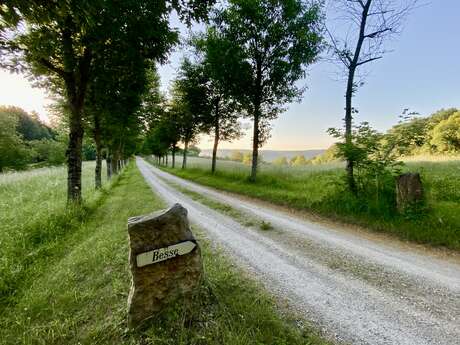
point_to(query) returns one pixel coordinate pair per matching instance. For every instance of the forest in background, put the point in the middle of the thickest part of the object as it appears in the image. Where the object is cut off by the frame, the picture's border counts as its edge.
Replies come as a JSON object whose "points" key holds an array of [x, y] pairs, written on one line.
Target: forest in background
{"points": [[27, 142], [435, 135]]}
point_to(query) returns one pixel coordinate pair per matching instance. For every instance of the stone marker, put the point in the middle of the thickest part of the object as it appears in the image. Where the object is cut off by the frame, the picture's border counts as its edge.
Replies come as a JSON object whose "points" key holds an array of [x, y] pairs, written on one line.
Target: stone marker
{"points": [[165, 262], [409, 190]]}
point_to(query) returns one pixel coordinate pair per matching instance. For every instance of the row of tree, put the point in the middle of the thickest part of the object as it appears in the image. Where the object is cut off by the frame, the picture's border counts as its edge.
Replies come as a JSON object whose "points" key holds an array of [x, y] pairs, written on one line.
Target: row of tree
{"points": [[250, 58], [246, 64], [98, 57]]}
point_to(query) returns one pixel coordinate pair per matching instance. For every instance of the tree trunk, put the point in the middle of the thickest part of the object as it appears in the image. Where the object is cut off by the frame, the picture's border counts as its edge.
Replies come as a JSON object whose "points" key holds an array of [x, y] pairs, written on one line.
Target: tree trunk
{"points": [[97, 141], [348, 129], [184, 157], [354, 63], [76, 81], [174, 156], [167, 154], [74, 156], [255, 147], [257, 114], [216, 139], [108, 162], [114, 163]]}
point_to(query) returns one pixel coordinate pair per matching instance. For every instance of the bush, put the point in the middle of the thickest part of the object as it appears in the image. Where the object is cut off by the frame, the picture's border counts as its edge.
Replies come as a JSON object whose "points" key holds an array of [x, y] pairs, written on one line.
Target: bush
{"points": [[376, 165], [50, 151], [13, 152]]}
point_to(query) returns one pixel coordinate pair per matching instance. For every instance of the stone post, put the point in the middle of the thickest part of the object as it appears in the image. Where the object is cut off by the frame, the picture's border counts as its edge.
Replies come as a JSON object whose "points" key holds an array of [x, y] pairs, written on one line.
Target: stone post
{"points": [[165, 262], [409, 190]]}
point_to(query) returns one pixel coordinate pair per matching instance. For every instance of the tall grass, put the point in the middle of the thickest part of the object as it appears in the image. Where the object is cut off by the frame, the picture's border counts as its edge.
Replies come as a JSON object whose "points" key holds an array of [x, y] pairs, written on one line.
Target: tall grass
{"points": [[35, 221], [321, 189]]}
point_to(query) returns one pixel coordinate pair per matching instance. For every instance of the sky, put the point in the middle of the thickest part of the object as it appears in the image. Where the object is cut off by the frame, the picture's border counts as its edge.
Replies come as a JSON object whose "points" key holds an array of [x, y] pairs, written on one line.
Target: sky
{"points": [[422, 72]]}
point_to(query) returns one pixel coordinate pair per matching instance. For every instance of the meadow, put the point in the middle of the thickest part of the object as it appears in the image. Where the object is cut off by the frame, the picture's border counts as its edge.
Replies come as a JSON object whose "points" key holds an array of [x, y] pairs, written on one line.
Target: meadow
{"points": [[65, 274], [35, 221], [320, 189]]}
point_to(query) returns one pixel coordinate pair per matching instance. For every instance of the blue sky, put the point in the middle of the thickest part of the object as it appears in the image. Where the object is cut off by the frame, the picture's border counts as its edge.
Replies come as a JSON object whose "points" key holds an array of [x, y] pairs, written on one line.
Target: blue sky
{"points": [[421, 73]]}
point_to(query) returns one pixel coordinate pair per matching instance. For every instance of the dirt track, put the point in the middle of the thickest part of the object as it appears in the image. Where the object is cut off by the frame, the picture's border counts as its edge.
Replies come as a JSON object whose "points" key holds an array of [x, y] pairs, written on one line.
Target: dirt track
{"points": [[357, 290]]}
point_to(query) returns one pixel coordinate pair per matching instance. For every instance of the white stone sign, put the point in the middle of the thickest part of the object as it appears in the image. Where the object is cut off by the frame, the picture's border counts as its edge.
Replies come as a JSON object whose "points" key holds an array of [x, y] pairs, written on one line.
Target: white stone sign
{"points": [[163, 254]]}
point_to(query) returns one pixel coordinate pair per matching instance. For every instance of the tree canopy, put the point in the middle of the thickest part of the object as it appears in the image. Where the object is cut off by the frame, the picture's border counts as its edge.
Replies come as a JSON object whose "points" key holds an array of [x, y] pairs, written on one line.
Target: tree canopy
{"points": [[66, 45], [264, 48]]}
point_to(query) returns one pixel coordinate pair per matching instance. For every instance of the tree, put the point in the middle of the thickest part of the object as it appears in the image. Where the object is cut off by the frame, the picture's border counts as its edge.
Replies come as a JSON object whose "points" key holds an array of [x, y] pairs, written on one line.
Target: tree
{"points": [[247, 159], [371, 23], [29, 125], [50, 151], [281, 161], [194, 151], [446, 134], [222, 121], [376, 159], [264, 48], [236, 156], [190, 103], [299, 161], [13, 153], [62, 39]]}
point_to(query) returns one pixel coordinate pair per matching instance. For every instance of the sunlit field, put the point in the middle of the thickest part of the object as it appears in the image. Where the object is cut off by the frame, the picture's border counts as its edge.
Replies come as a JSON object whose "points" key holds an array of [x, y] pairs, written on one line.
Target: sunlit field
{"points": [[34, 220], [320, 189]]}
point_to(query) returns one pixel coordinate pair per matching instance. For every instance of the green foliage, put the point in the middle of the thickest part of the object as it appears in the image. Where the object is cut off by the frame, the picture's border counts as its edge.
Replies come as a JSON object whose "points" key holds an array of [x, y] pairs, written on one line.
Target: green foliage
{"points": [[281, 161], [193, 151], [330, 155], [263, 49], [50, 151], [13, 152], [236, 156], [299, 161], [415, 136], [88, 150], [435, 134], [27, 141], [223, 109], [266, 226], [29, 126], [446, 134], [376, 164], [78, 48], [274, 41], [247, 159], [190, 100]]}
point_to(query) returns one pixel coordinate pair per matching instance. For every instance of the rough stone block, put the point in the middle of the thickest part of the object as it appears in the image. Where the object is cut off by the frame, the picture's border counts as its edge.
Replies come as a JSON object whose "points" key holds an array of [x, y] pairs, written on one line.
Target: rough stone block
{"points": [[165, 262]]}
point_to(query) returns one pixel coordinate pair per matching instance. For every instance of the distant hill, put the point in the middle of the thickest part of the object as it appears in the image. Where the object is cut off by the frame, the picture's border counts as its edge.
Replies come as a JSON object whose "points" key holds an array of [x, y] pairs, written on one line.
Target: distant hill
{"points": [[267, 155]]}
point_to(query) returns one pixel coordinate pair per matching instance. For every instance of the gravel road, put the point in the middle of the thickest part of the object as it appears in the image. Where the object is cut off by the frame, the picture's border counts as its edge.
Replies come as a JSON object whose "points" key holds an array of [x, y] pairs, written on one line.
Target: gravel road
{"points": [[356, 290]]}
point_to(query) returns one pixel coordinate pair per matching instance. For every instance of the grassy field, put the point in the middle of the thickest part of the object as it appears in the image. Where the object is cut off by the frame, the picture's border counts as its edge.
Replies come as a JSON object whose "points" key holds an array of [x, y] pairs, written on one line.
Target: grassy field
{"points": [[74, 288], [320, 189], [34, 222]]}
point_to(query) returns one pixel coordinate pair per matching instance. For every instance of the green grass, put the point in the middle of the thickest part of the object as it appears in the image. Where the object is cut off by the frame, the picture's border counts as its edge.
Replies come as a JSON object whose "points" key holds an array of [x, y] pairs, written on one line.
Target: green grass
{"points": [[321, 190], [79, 294], [35, 222], [226, 209]]}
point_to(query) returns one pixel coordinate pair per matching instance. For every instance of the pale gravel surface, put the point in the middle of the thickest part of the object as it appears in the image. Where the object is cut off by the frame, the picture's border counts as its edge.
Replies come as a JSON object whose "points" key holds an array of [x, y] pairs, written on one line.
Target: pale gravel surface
{"points": [[423, 309]]}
